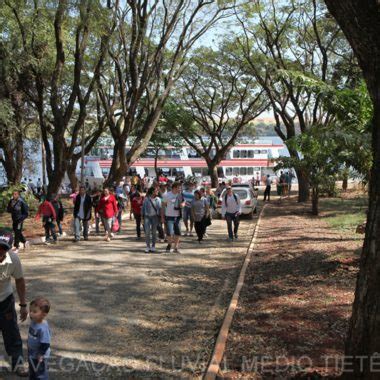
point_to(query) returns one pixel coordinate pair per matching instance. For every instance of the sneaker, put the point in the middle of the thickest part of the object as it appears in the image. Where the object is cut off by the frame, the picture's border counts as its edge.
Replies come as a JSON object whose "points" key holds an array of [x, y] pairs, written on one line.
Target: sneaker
{"points": [[230, 239], [47, 242], [27, 245], [22, 372], [147, 250], [236, 237], [171, 250], [86, 238], [191, 234], [76, 240], [176, 250], [205, 235], [185, 234], [168, 248], [153, 249], [112, 234]]}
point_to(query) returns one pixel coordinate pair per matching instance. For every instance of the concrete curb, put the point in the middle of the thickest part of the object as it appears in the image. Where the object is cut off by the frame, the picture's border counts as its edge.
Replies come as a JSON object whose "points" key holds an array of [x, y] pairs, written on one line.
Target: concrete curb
{"points": [[220, 345]]}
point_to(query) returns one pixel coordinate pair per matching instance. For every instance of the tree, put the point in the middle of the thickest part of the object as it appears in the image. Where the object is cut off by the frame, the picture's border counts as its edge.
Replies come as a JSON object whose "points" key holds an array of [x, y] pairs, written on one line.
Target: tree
{"points": [[148, 55], [279, 37], [13, 120], [64, 46], [328, 151], [164, 135], [360, 22], [222, 99]]}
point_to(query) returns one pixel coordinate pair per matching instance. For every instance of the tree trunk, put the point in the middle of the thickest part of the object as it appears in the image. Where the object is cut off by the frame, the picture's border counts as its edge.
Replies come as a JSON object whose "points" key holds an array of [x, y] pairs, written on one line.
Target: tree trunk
{"points": [[213, 171], [13, 162], [345, 183], [360, 22], [303, 186], [60, 164], [71, 169], [364, 331], [315, 201], [119, 167]]}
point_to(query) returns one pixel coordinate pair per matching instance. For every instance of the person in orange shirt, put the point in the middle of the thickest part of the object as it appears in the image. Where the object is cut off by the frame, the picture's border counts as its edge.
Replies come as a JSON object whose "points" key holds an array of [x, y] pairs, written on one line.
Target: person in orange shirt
{"points": [[47, 211]]}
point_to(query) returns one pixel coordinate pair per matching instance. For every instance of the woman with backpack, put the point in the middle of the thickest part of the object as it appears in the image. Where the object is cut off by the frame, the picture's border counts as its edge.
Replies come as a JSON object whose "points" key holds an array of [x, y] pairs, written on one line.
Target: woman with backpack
{"points": [[231, 210], [200, 211], [47, 211], [151, 211]]}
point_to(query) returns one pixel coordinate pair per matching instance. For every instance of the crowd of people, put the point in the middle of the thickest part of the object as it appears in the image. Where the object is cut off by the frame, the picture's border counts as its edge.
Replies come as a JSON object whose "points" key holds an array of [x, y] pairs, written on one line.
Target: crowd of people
{"points": [[158, 208]]}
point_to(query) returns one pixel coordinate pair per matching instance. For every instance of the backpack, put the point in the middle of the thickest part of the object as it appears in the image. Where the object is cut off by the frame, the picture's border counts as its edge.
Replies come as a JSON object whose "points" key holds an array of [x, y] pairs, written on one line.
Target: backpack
{"points": [[235, 197]]}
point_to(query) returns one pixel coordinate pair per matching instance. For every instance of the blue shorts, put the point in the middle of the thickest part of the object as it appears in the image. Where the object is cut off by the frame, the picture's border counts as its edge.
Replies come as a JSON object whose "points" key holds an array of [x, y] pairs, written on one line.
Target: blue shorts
{"points": [[173, 225], [186, 213]]}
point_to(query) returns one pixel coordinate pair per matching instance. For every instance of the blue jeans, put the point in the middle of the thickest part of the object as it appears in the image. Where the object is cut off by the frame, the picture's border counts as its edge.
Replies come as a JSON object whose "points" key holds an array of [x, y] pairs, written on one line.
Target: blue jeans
{"points": [[232, 218], [150, 224], [10, 330], [38, 371], [173, 225], [77, 226]]}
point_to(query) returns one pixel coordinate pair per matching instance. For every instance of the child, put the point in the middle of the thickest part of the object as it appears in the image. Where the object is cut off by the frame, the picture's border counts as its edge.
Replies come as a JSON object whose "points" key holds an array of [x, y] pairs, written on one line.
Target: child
{"points": [[59, 212], [47, 211], [136, 207], [38, 339]]}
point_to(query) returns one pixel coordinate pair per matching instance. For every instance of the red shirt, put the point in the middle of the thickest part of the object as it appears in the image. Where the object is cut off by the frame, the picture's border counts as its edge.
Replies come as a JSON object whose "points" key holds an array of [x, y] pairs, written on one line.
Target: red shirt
{"points": [[107, 207], [137, 205], [46, 209]]}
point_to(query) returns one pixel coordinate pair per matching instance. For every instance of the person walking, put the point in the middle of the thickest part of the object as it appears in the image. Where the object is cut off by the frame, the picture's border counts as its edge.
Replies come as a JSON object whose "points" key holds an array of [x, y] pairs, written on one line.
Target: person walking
{"points": [[95, 198], [136, 208], [151, 211], [188, 196], [231, 210], [107, 209], [39, 339], [172, 203], [120, 198], [10, 266], [82, 214], [268, 183], [59, 212], [200, 211], [19, 211], [49, 217]]}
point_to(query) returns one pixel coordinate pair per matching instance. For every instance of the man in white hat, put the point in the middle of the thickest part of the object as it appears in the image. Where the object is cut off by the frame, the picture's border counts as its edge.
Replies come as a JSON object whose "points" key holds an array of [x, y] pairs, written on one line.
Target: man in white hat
{"points": [[10, 266]]}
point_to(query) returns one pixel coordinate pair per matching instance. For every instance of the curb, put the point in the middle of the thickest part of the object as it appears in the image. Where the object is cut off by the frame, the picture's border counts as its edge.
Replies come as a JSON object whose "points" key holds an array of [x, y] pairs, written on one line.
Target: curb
{"points": [[220, 345]]}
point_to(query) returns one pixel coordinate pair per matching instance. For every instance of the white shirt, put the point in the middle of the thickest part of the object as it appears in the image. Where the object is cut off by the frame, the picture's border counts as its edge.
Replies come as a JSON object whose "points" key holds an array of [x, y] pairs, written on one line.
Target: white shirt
{"points": [[81, 208], [171, 201], [10, 267], [232, 205]]}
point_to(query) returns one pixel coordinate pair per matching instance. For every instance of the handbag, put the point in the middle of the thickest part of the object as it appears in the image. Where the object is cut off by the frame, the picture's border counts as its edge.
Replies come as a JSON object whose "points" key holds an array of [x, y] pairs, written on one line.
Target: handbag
{"points": [[115, 225]]}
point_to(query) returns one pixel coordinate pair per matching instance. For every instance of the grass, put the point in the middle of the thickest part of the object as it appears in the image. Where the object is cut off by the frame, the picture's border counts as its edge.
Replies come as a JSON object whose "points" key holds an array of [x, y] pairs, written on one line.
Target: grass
{"points": [[344, 214]]}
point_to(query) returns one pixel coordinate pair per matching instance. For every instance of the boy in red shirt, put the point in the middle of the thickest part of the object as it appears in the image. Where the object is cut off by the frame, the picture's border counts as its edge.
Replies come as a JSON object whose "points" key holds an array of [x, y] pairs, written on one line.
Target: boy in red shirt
{"points": [[136, 207], [47, 211]]}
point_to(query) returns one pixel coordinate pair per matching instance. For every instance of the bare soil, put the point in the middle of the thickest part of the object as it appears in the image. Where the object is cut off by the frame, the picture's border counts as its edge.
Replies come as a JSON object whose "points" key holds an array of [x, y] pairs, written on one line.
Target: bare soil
{"points": [[296, 302]]}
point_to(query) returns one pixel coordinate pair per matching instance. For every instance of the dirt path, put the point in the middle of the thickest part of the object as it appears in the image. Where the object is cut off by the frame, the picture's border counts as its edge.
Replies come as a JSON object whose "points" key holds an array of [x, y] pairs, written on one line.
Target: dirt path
{"points": [[294, 307], [120, 313]]}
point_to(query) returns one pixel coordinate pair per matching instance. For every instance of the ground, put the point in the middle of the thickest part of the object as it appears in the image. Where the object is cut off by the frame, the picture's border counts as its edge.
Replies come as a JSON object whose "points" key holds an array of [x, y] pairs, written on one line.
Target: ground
{"points": [[120, 313], [296, 301]]}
